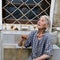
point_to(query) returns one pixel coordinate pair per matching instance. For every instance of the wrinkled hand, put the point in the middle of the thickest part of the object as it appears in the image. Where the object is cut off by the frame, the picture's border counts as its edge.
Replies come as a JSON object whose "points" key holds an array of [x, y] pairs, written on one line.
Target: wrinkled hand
{"points": [[24, 37]]}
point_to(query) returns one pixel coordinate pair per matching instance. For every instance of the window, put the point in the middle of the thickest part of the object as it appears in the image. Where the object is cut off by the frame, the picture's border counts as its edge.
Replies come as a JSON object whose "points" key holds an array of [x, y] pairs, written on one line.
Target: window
{"points": [[24, 11]]}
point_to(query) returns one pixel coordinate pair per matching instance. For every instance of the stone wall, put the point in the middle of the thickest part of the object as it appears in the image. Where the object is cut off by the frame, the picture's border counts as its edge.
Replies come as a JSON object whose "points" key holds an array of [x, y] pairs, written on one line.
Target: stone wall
{"points": [[57, 13], [16, 54]]}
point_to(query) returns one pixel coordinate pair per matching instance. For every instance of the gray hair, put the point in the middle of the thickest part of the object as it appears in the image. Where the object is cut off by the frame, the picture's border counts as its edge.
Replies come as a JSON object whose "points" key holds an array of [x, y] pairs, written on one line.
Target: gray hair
{"points": [[47, 18]]}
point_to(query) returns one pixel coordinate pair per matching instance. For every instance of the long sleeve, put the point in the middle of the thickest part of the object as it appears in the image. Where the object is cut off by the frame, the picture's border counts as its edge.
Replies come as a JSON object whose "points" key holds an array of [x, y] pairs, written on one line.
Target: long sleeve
{"points": [[29, 41]]}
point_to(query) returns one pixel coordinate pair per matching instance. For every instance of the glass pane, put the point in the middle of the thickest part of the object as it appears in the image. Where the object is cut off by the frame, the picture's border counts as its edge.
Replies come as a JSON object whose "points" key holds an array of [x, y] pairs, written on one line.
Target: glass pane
{"points": [[16, 1], [24, 0], [17, 14], [44, 4], [10, 8], [24, 18], [30, 15], [37, 10], [10, 17], [24, 9], [37, 1], [47, 11], [30, 2]]}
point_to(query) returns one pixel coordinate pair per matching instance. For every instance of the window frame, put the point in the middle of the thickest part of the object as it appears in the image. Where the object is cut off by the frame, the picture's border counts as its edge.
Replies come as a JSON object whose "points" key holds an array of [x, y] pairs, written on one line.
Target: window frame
{"points": [[51, 13]]}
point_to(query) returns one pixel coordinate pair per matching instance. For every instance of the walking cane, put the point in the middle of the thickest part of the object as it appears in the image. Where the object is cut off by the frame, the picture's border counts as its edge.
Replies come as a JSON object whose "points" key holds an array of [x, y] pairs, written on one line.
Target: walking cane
{"points": [[21, 51]]}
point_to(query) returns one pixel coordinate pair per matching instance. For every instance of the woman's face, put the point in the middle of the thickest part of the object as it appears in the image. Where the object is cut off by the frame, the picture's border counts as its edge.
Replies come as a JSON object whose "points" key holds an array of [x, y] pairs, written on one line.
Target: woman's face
{"points": [[41, 24]]}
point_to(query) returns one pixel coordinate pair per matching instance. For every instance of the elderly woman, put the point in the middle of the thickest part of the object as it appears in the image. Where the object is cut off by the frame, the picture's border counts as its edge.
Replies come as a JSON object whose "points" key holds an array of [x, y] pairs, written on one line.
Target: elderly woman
{"points": [[39, 40]]}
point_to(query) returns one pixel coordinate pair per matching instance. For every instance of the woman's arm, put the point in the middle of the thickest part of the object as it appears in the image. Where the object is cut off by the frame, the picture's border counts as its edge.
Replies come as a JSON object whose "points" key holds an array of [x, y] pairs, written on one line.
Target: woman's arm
{"points": [[43, 57], [23, 38], [28, 39]]}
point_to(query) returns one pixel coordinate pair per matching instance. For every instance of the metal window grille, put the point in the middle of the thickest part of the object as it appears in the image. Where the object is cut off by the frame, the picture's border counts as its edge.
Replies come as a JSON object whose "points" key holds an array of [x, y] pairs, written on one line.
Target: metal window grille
{"points": [[24, 11]]}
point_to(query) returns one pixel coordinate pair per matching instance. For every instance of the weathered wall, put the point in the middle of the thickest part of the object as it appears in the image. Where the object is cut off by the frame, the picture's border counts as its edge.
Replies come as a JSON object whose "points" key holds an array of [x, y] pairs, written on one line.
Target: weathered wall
{"points": [[57, 13], [16, 54]]}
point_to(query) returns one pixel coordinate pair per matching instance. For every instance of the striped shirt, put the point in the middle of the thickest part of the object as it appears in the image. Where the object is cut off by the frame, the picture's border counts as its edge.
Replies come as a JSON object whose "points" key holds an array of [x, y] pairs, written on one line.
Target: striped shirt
{"points": [[39, 47]]}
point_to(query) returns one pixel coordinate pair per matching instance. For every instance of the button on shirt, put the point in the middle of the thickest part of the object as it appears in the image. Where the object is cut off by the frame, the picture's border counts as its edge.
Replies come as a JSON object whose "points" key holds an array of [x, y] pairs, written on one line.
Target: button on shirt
{"points": [[39, 47]]}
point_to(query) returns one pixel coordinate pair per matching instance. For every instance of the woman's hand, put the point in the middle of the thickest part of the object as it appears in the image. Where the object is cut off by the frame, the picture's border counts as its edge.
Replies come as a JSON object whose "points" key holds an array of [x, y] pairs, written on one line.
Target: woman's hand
{"points": [[23, 38], [43, 57]]}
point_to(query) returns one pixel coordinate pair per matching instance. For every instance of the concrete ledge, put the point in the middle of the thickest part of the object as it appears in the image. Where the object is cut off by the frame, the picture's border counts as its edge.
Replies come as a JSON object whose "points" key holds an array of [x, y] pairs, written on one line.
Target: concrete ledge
{"points": [[10, 47], [6, 45]]}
